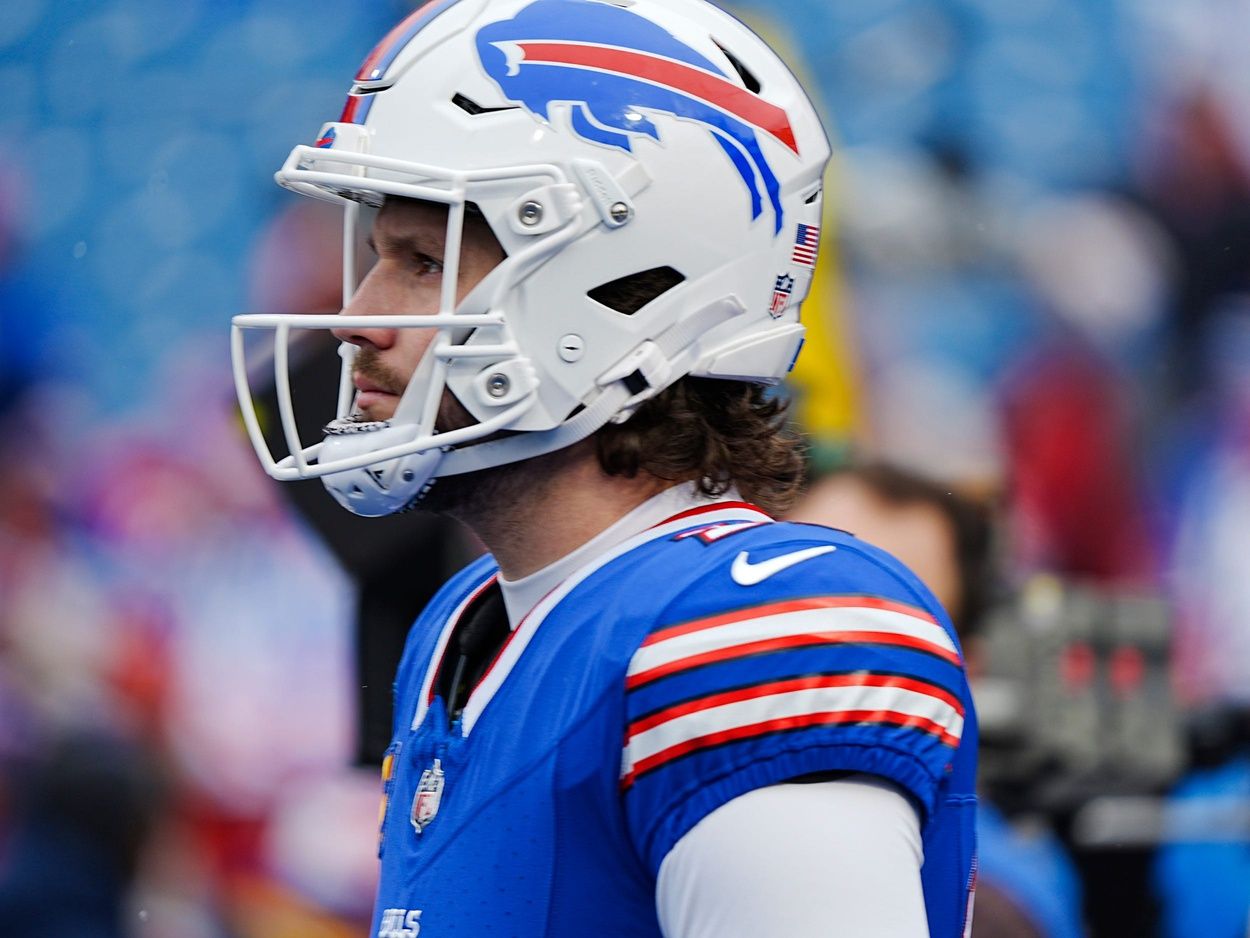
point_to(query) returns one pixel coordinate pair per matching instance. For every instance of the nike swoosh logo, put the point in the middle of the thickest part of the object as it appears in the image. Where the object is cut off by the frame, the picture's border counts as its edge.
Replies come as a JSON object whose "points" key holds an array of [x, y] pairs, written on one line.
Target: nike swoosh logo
{"points": [[745, 573]]}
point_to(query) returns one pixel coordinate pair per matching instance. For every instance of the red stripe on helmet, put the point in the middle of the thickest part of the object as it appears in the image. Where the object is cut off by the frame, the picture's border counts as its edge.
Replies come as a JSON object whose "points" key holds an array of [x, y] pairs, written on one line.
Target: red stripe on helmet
{"points": [[386, 51], [696, 82]]}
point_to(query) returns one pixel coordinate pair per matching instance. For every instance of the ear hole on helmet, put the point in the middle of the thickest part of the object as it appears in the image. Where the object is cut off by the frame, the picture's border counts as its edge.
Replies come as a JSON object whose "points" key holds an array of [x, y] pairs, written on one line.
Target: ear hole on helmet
{"points": [[814, 197], [469, 106], [748, 77], [629, 294]]}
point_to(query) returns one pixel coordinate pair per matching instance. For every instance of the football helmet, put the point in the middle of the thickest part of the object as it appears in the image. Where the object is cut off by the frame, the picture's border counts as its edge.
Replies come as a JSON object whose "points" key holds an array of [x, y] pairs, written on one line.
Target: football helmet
{"points": [[600, 140]]}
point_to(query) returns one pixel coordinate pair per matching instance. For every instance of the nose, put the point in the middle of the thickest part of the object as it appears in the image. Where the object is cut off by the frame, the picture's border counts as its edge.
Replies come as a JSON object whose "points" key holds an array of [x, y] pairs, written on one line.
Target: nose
{"points": [[372, 298]]}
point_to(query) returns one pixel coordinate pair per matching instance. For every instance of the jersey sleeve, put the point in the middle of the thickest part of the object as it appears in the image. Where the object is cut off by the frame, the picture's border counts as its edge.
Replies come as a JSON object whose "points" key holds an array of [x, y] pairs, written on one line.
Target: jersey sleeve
{"points": [[839, 662]]}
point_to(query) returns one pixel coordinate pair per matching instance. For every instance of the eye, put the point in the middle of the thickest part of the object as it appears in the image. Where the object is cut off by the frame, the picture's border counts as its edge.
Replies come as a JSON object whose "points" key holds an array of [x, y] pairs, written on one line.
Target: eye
{"points": [[426, 265]]}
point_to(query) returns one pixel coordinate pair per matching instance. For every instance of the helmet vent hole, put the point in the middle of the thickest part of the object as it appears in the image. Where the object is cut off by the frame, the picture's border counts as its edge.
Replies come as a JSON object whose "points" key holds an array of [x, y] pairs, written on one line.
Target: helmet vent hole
{"points": [[629, 294], [813, 198], [748, 78], [469, 106]]}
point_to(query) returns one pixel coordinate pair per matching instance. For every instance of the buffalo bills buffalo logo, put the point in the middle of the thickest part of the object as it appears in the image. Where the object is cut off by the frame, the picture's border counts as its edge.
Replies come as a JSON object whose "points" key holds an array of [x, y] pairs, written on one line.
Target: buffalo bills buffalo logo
{"points": [[613, 67]]}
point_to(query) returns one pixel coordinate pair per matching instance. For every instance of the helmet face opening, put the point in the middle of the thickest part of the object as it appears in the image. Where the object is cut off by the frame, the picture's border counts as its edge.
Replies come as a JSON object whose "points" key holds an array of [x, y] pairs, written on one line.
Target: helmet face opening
{"points": [[651, 173]]}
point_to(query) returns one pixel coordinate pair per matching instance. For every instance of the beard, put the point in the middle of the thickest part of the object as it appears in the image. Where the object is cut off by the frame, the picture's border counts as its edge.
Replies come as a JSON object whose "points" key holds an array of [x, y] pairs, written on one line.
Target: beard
{"points": [[452, 415], [490, 496], [484, 496], [470, 495]]}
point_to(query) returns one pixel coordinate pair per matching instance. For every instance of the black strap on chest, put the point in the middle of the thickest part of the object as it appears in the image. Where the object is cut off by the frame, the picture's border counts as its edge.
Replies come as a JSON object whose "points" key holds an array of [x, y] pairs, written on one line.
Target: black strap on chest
{"points": [[475, 640]]}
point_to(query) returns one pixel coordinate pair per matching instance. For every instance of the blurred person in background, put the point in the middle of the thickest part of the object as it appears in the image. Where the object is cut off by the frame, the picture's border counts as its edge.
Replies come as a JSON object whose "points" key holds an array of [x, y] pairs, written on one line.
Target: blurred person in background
{"points": [[1202, 874], [1193, 172], [80, 795], [133, 633], [1027, 886], [83, 811], [1192, 168], [1072, 406], [80, 792], [757, 793]]}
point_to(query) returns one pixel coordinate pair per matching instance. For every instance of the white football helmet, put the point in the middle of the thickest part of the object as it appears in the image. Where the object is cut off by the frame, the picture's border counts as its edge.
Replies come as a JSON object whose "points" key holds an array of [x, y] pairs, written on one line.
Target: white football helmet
{"points": [[599, 140]]}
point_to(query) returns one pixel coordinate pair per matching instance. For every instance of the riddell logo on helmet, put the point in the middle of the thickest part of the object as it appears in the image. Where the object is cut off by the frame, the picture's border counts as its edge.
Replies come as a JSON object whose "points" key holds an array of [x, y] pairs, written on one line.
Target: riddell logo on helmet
{"points": [[612, 65]]}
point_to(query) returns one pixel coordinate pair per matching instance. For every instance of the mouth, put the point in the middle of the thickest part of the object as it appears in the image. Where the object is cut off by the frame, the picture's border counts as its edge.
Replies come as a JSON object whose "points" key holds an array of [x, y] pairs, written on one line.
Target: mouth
{"points": [[369, 385], [371, 394]]}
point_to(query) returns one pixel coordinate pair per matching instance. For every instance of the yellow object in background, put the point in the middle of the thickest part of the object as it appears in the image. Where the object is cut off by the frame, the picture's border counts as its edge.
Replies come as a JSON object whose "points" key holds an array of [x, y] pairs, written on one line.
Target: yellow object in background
{"points": [[825, 382]]}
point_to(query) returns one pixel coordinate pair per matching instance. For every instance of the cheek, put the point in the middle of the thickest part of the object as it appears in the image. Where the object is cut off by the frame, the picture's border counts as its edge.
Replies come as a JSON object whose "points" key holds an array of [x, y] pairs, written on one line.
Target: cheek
{"points": [[392, 288], [475, 264], [410, 345]]}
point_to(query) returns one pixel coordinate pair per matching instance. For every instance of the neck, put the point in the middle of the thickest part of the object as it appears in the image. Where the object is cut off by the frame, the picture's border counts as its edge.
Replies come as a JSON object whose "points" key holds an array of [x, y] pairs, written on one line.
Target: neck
{"points": [[534, 513]]}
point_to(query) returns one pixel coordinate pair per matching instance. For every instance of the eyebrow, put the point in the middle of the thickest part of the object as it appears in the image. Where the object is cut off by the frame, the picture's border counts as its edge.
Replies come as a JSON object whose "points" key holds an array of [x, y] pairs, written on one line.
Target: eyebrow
{"points": [[423, 243]]}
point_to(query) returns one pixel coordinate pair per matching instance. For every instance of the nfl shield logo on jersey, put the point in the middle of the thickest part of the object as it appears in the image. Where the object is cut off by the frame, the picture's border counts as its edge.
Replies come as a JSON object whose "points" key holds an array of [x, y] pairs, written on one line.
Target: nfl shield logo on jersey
{"points": [[429, 794]]}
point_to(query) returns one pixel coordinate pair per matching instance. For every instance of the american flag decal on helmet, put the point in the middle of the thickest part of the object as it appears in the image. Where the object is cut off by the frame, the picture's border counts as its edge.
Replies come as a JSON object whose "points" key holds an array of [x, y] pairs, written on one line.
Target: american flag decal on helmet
{"points": [[806, 243], [614, 67]]}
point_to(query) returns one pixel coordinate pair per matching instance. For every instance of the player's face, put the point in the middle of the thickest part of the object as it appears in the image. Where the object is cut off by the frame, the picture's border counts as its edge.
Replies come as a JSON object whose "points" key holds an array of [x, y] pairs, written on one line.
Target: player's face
{"points": [[408, 238]]}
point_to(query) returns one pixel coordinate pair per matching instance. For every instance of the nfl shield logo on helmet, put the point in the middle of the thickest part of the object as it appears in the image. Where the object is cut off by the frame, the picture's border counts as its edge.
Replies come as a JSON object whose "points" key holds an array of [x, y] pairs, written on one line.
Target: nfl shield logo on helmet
{"points": [[782, 288], [429, 794]]}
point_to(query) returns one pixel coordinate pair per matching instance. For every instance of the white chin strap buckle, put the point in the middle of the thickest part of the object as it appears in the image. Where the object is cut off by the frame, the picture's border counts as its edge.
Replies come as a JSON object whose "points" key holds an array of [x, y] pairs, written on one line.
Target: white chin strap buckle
{"points": [[381, 488]]}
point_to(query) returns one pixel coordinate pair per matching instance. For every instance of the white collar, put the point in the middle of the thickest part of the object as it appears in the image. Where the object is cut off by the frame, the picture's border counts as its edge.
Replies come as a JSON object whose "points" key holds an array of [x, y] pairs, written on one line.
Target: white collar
{"points": [[520, 596]]}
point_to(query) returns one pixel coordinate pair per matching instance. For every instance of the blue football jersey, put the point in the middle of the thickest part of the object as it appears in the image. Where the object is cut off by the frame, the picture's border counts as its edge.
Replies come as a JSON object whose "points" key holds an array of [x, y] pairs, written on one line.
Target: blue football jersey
{"points": [[711, 655]]}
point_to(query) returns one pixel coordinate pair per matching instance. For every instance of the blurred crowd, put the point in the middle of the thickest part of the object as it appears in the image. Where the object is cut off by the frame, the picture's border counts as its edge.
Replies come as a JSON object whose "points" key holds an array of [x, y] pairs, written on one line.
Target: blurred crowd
{"points": [[1035, 300]]}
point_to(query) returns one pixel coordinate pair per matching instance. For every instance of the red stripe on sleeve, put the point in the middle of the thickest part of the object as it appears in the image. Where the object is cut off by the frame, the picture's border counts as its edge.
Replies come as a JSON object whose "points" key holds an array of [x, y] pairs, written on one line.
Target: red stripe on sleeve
{"points": [[782, 643], [802, 721], [789, 685], [789, 605]]}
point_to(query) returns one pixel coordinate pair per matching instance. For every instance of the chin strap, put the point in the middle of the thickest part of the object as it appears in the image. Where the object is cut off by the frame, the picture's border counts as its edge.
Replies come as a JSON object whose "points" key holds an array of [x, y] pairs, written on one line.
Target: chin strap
{"points": [[527, 445], [626, 388]]}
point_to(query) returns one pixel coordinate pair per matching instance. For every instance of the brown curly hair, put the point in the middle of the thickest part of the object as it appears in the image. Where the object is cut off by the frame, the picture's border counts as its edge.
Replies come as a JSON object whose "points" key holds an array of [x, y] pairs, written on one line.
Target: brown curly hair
{"points": [[721, 434]]}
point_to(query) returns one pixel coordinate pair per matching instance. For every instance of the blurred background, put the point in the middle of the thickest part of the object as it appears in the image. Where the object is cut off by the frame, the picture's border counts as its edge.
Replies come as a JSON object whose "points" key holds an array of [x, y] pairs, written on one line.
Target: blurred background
{"points": [[1034, 299]]}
